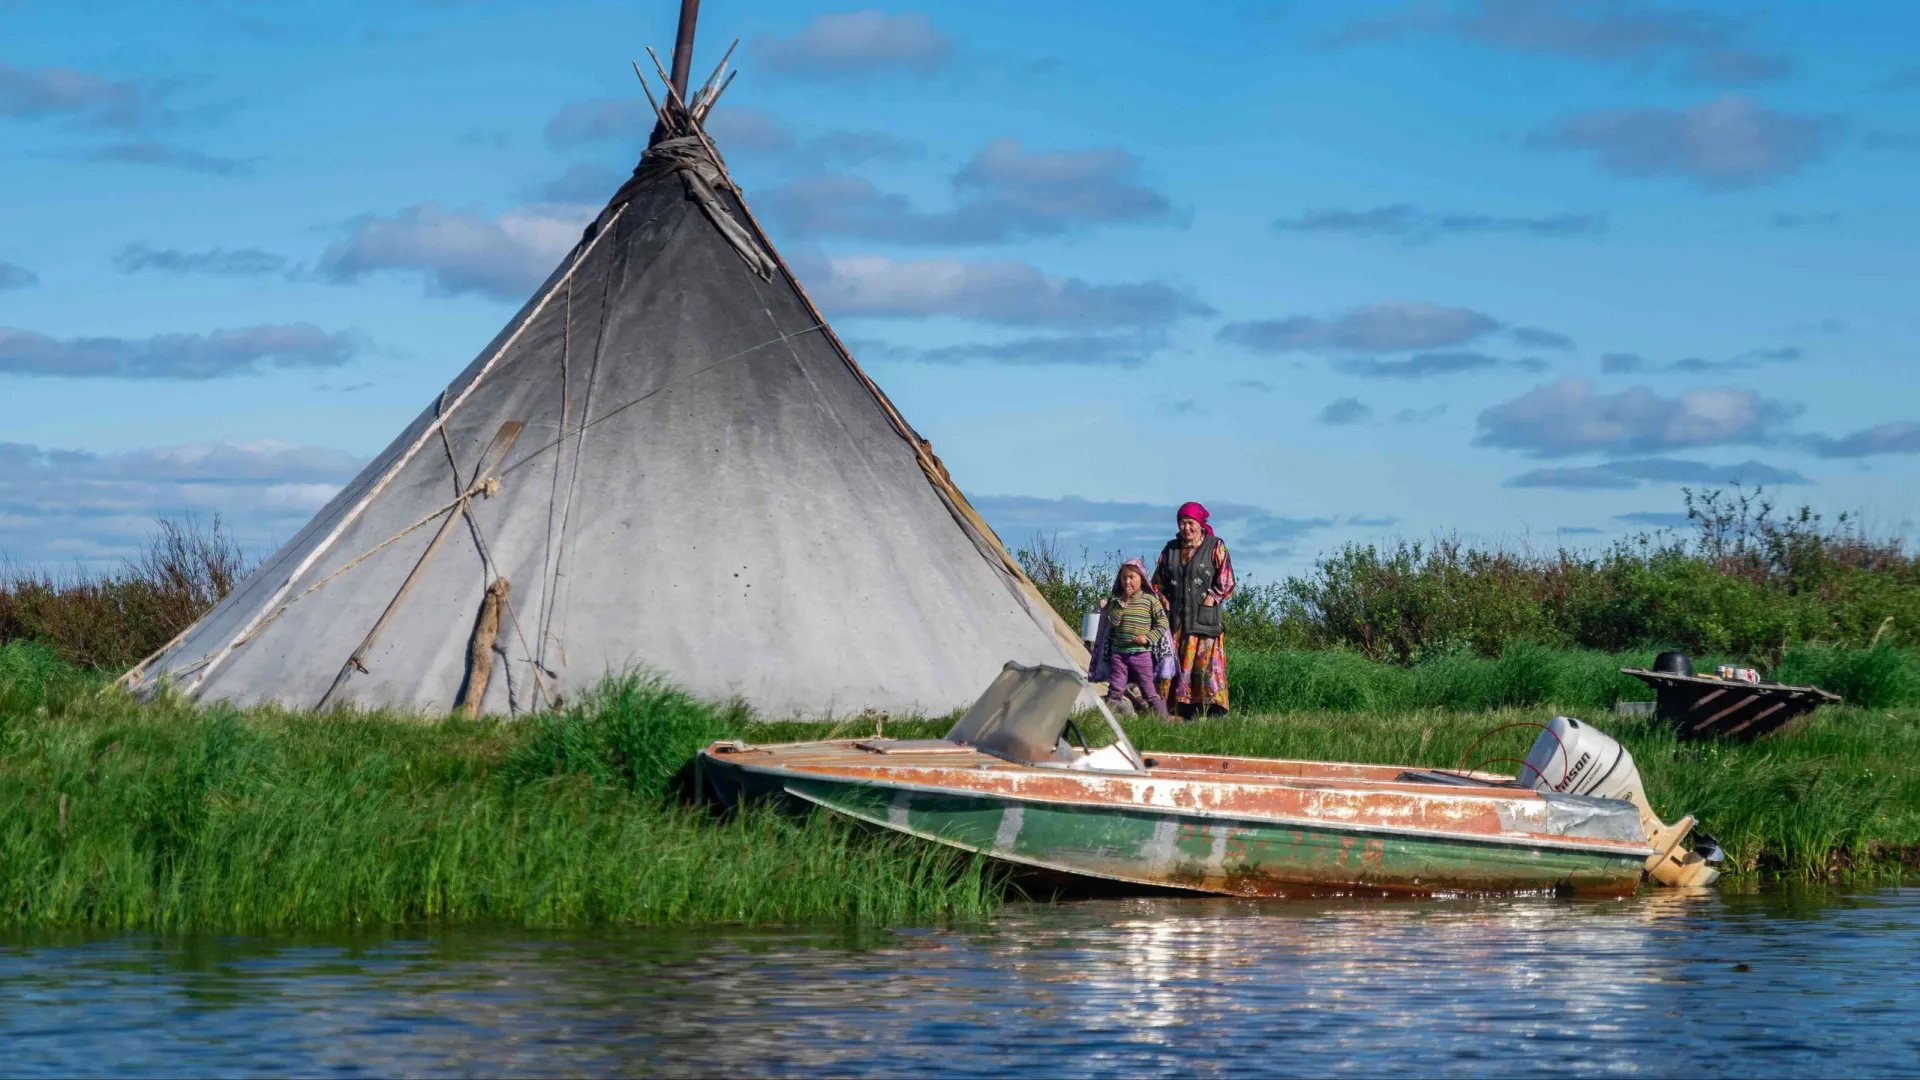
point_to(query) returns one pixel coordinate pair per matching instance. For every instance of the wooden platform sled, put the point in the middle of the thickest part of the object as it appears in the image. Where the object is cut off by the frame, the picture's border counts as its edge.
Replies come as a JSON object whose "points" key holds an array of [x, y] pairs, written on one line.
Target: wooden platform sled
{"points": [[1700, 707]]}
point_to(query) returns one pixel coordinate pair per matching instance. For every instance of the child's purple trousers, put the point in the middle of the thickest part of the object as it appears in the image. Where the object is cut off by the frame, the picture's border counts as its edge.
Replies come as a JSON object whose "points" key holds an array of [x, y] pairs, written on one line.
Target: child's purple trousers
{"points": [[1137, 667]]}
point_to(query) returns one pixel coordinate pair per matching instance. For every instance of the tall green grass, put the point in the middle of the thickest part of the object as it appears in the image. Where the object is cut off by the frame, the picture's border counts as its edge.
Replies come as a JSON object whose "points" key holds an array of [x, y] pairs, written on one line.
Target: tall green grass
{"points": [[1282, 680], [1881, 676], [163, 816], [1265, 681]]}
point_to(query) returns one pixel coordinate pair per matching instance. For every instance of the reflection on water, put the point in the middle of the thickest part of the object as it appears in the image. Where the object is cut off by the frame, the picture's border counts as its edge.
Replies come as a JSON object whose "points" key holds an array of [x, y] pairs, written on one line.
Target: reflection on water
{"points": [[1710, 984]]}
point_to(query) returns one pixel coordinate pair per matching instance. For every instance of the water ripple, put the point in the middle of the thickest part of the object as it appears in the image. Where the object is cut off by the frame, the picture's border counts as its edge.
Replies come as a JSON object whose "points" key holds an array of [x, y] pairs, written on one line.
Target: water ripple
{"points": [[1706, 985]]}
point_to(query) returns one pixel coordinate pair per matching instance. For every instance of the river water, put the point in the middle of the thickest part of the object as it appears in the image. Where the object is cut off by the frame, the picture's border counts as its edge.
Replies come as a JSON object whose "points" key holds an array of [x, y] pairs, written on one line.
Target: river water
{"points": [[1772, 983]]}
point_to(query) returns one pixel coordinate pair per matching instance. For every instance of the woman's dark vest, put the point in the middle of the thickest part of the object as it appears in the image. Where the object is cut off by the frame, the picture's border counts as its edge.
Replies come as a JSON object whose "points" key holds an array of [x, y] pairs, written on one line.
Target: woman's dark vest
{"points": [[1187, 585]]}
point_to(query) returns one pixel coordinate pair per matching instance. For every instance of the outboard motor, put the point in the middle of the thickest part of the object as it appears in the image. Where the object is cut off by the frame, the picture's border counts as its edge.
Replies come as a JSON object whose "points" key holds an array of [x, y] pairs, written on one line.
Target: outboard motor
{"points": [[1578, 759]]}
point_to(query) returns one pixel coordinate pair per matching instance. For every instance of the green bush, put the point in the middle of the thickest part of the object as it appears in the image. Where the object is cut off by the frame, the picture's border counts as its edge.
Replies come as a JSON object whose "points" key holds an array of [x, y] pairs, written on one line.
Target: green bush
{"points": [[1746, 585], [633, 732], [111, 620]]}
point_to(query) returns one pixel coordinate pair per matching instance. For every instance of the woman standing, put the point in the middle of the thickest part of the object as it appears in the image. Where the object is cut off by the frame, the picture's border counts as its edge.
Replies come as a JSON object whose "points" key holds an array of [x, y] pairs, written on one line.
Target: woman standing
{"points": [[1196, 578]]}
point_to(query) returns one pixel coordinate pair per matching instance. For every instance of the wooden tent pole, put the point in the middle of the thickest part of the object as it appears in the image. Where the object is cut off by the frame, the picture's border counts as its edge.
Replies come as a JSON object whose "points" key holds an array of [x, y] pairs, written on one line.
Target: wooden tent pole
{"points": [[683, 46]]}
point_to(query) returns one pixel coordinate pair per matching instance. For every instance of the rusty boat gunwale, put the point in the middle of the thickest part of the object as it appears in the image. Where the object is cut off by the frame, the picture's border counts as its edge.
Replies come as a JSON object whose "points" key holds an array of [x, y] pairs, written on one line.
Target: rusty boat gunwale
{"points": [[890, 791]]}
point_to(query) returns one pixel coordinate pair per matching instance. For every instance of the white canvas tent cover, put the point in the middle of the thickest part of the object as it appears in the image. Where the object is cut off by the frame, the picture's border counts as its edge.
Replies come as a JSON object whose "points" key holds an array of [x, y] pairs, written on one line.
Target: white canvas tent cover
{"points": [[666, 462]]}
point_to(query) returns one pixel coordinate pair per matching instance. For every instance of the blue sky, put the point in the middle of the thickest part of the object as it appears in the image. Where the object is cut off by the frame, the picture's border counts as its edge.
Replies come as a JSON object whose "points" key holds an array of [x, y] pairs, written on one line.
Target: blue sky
{"points": [[1520, 269]]}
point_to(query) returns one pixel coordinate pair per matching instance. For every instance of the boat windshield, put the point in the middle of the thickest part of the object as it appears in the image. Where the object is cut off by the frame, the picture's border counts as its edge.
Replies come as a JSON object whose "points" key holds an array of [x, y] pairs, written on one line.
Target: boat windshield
{"points": [[1022, 715]]}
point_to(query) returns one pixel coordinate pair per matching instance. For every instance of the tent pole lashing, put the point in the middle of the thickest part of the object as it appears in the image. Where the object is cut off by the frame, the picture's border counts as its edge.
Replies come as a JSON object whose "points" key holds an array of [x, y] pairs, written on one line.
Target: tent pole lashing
{"points": [[674, 97], [496, 453]]}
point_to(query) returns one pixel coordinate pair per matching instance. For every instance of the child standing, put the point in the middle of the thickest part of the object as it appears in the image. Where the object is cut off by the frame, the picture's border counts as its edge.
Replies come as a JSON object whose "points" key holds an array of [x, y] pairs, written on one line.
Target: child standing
{"points": [[1135, 618]]}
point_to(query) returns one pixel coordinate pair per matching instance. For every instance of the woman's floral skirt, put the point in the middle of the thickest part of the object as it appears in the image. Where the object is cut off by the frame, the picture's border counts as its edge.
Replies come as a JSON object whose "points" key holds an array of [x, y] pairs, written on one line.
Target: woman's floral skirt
{"points": [[1202, 679]]}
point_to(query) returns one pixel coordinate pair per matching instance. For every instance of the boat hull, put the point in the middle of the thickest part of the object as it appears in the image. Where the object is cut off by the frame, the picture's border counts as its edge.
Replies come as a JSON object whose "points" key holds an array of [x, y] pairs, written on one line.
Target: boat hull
{"points": [[1207, 852]]}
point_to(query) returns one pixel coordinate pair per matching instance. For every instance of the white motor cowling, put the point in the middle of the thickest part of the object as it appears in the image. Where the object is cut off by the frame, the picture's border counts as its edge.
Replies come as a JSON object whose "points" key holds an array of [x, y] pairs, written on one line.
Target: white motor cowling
{"points": [[1579, 759]]}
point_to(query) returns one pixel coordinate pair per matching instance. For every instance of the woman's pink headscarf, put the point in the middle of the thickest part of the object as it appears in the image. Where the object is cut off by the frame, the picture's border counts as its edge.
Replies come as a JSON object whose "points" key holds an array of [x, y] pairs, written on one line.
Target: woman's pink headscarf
{"points": [[1198, 513]]}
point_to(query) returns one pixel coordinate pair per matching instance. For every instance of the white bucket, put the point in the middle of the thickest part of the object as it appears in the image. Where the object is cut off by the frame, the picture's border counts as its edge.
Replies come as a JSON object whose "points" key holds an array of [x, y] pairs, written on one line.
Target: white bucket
{"points": [[1090, 627]]}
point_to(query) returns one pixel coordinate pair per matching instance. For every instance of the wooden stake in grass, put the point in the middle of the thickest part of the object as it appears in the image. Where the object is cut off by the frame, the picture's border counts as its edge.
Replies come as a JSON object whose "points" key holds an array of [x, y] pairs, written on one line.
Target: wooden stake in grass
{"points": [[480, 651]]}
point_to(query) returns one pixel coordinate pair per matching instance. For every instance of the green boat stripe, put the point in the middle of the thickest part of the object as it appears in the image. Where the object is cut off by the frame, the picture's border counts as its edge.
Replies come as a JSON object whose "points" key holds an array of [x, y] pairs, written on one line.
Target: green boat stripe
{"points": [[1008, 857], [1635, 851]]}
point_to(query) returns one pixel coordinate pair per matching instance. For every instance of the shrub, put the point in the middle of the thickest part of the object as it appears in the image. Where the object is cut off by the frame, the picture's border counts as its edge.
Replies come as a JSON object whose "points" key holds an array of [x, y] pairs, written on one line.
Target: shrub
{"points": [[114, 619], [1073, 589], [633, 732], [1746, 584]]}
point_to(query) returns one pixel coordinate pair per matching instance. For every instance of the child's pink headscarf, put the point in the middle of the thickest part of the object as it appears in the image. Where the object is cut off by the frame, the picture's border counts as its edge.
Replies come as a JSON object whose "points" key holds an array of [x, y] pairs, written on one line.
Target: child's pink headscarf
{"points": [[1198, 513]]}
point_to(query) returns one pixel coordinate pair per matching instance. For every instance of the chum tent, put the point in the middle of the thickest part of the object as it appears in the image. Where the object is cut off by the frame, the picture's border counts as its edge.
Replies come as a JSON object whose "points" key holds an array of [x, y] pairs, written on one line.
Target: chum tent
{"points": [[666, 463]]}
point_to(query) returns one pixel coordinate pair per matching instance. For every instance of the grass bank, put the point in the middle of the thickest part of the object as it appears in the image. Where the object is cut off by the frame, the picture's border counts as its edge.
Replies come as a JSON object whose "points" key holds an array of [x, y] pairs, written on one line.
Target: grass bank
{"points": [[165, 816]]}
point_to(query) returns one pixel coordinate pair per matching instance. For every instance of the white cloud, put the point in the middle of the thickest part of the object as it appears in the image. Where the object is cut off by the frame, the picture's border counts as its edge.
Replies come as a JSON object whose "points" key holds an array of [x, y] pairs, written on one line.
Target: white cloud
{"points": [[858, 43], [1074, 524], [1074, 350], [220, 262], [1414, 224], [1004, 292], [64, 505], [1728, 143], [1632, 473], [584, 183], [503, 257], [1430, 364], [1704, 42], [1895, 438], [1389, 325], [1087, 185], [1005, 192], [16, 277], [37, 93], [1570, 417], [244, 350], [1346, 410], [601, 120], [167, 155]]}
